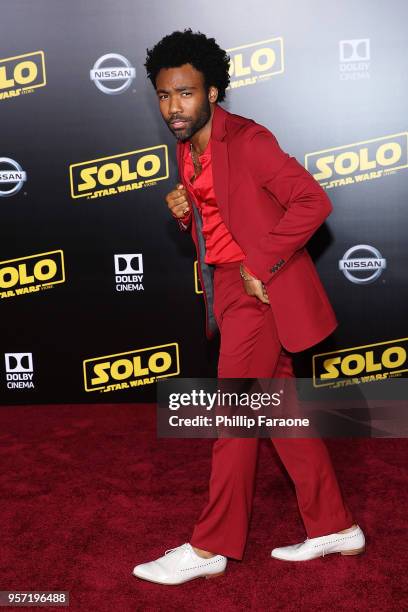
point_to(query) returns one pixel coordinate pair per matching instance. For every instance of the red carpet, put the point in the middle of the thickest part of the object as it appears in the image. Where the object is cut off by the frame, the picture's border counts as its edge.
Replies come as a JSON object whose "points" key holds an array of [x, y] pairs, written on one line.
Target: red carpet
{"points": [[87, 492]]}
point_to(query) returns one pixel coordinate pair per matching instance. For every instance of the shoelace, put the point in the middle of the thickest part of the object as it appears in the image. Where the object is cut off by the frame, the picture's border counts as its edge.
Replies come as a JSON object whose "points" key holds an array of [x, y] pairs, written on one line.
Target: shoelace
{"points": [[324, 547], [170, 550]]}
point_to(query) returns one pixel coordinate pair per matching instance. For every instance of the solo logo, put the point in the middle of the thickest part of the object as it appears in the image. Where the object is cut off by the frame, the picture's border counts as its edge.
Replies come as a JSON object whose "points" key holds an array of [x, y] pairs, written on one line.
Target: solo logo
{"points": [[360, 364], [362, 270], [19, 370], [108, 176], [114, 69], [129, 272], [131, 369], [197, 285], [250, 64], [32, 273], [359, 161], [12, 177], [21, 74]]}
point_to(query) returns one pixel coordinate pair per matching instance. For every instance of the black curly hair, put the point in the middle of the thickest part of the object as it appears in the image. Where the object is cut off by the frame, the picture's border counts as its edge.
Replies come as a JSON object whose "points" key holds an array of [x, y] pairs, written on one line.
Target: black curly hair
{"points": [[194, 48]]}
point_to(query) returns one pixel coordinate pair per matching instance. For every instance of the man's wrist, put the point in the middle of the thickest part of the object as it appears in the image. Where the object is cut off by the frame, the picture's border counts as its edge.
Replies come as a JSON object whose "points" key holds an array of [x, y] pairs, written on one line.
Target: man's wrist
{"points": [[245, 274]]}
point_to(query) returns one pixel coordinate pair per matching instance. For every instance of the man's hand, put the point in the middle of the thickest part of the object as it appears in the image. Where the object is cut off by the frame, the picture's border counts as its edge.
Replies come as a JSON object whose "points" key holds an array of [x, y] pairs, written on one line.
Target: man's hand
{"points": [[253, 286], [177, 202]]}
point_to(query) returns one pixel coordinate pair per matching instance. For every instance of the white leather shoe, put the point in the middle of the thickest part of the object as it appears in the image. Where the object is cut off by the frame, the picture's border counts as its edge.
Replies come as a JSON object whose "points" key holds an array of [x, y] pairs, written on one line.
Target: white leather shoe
{"points": [[179, 565], [347, 543]]}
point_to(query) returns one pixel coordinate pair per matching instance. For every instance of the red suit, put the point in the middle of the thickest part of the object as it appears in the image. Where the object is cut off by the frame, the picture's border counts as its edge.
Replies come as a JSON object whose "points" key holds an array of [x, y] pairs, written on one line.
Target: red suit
{"points": [[271, 206]]}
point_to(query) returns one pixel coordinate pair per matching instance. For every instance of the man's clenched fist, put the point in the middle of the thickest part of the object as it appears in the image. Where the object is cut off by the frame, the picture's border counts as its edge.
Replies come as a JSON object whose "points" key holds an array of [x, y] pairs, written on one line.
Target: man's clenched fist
{"points": [[177, 202]]}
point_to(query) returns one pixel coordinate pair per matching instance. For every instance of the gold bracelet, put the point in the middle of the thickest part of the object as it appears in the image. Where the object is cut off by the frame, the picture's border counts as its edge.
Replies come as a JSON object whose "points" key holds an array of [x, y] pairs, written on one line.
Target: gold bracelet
{"points": [[243, 275]]}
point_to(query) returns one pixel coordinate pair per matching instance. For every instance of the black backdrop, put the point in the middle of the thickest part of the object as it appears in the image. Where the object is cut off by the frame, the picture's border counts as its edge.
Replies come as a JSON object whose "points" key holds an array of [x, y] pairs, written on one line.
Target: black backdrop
{"points": [[332, 86]]}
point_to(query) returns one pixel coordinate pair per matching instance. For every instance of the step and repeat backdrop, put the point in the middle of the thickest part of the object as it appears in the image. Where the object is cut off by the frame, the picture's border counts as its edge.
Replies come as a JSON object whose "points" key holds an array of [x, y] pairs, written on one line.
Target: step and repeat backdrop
{"points": [[99, 294]]}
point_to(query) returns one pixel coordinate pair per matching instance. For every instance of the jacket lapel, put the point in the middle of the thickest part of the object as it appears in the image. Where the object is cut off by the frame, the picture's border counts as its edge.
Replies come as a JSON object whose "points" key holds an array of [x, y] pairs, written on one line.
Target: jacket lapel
{"points": [[219, 159], [179, 154]]}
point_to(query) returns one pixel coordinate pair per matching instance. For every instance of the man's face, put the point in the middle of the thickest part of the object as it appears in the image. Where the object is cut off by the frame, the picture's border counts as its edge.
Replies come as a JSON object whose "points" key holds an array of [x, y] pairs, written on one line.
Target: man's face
{"points": [[184, 102]]}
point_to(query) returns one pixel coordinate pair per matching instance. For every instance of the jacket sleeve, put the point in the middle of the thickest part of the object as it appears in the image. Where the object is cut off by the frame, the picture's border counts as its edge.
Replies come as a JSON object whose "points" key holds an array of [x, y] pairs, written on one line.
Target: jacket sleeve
{"points": [[304, 200]]}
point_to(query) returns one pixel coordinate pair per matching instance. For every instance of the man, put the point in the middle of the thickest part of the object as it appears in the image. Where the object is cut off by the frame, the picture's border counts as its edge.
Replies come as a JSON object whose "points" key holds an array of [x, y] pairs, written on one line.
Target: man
{"points": [[251, 208]]}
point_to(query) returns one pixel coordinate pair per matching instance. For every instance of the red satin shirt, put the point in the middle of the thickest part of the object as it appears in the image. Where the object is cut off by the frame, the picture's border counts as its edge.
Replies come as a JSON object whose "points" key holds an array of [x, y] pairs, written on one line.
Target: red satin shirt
{"points": [[220, 245]]}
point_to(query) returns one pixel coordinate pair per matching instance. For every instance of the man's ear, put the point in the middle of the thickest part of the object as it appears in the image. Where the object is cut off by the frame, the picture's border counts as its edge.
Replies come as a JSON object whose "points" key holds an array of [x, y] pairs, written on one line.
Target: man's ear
{"points": [[213, 94]]}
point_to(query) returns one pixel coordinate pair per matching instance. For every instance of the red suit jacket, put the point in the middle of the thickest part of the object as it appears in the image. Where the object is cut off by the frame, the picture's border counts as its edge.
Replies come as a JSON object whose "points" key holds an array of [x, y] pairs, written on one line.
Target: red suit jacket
{"points": [[272, 206]]}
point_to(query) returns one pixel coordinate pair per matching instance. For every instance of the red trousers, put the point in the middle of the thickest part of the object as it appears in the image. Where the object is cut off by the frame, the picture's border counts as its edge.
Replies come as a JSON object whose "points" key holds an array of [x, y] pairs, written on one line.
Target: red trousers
{"points": [[250, 348]]}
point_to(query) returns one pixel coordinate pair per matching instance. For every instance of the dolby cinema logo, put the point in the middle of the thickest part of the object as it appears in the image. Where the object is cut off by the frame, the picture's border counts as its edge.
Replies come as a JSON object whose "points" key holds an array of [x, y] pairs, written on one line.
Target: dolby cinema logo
{"points": [[12, 177], [129, 272], [19, 370], [112, 74], [354, 59], [362, 264]]}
